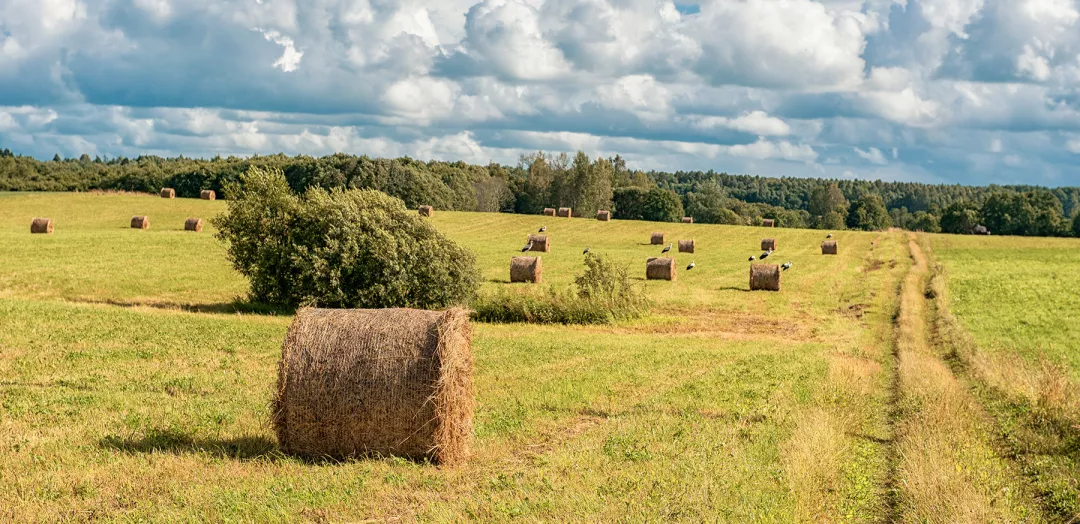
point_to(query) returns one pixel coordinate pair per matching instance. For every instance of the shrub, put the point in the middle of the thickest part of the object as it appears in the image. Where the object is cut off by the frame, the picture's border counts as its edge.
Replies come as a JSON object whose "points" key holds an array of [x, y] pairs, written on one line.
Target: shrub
{"points": [[609, 285], [339, 248]]}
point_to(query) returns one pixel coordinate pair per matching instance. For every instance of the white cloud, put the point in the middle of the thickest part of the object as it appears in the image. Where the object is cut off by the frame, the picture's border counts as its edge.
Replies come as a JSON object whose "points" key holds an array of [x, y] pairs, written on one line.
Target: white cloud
{"points": [[290, 56], [873, 155]]}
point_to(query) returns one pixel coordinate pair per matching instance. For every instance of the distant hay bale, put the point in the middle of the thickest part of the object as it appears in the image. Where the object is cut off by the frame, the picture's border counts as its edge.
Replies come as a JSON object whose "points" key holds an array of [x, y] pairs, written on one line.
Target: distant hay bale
{"points": [[603, 216], [828, 247], [565, 212], [526, 269], [426, 211], [686, 246], [549, 211], [687, 220], [765, 277], [768, 222], [768, 243], [539, 243], [193, 224], [660, 269], [360, 382], [168, 192], [140, 222], [208, 194], [657, 238], [41, 226]]}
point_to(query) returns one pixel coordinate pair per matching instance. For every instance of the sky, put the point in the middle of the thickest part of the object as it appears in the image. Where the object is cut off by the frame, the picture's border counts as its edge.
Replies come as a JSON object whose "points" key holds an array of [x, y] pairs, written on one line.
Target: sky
{"points": [[938, 91]]}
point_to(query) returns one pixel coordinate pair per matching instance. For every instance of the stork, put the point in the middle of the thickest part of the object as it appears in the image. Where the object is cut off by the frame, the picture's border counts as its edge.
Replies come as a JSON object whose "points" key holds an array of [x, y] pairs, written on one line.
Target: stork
{"points": [[752, 258], [542, 229], [786, 266], [829, 235], [691, 266], [527, 247], [764, 255], [586, 252], [666, 249]]}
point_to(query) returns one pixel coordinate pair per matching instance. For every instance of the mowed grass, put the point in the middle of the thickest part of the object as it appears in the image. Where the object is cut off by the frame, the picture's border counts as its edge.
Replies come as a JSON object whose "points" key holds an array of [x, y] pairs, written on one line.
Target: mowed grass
{"points": [[131, 389]]}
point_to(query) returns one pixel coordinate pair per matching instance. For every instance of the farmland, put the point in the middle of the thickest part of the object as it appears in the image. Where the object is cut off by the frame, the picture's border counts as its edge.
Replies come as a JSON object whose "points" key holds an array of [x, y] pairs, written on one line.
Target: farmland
{"points": [[135, 381]]}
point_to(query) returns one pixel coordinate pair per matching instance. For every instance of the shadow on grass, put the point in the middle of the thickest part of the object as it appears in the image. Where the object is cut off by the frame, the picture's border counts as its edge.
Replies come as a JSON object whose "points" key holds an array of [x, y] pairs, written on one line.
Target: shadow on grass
{"points": [[734, 288], [176, 442], [222, 308]]}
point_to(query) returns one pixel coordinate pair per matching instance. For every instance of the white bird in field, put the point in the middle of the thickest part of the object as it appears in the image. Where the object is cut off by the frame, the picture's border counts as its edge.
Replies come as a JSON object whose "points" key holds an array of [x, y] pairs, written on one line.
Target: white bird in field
{"points": [[765, 255], [586, 252], [786, 266], [542, 229], [752, 258], [829, 235], [691, 266], [527, 247], [666, 249]]}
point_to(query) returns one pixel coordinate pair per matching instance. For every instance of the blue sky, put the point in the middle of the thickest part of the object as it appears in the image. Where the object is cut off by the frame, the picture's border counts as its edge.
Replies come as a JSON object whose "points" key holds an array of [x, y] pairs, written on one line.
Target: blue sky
{"points": [[943, 91]]}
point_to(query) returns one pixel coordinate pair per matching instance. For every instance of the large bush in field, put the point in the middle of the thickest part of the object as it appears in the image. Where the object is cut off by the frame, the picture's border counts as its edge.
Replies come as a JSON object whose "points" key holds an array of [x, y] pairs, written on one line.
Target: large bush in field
{"points": [[339, 248]]}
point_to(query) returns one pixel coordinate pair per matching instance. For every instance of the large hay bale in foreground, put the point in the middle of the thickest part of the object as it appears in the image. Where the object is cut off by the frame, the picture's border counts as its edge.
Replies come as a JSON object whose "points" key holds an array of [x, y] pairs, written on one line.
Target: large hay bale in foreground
{"points": [[140, 222], [566, 212], [526, 269], [41, 226], [657, 238], [686, 246], [193, 224], [660, 269], [539, 243], [765, 277], [828, 247], [168, 192], [603, 216], [768, 243], [426, 211], [358, 382], [768, 222], [549, 211], [208, 194], [687, 220]]}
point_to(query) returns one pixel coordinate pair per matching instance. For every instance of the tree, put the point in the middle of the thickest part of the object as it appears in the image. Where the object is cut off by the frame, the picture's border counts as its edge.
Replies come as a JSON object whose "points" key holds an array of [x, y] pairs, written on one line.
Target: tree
{"points": [[1037, 213], [960, 218], [825, 199], [832, 220], [923, 221], [706, 204], [662, 205], [869, 214], [1076, 225]]}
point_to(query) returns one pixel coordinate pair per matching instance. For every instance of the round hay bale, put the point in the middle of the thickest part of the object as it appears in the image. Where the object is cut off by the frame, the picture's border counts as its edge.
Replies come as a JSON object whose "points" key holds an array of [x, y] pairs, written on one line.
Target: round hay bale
{"points": [[686, 246], [657, 238], [768, 243], [426, 211], [360, 382], [768, 222], [565, 212], [140, 222], [549, 211], [828, 247], [687, 220], [41, 226], [193, 224], [765, 277], [603, 216], [526, 269], [660, 269], [168, 192], [208, 194], [539, 243]]}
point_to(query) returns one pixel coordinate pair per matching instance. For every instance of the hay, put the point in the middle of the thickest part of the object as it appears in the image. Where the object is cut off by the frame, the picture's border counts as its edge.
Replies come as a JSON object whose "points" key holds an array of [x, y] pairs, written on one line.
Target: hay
{"points": [[193, 224], [768, 243], [208, 194], [41, 226], [359, 382], [426, 211], [565, 212], [549, 211], [828, 247], [657, 238], [686, 246], [660, 269], [526, 269], [539, 243], [140, 222], [765, 277], [687, 220], [768, 222], [168, 192], [603, 216]]}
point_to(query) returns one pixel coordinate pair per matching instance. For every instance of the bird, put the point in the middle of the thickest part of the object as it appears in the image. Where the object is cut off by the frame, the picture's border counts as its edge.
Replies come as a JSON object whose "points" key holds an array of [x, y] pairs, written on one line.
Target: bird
{"points": [[752, 258], [691, 266], [829, 235], [527, 247], [542, 229], [764, 255], [666, 249], [786, 266], [586, 252]]}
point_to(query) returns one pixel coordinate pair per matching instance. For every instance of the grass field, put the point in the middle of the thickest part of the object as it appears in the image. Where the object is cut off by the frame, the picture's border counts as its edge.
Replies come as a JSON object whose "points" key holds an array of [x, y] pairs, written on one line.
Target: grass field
{"points": [[134, 388]]}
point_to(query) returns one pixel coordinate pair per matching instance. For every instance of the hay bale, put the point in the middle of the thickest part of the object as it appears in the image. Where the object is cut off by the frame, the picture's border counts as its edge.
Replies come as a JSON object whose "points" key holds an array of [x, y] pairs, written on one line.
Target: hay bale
{"points": [[768, 222], [765, 277], [603, 216], [208, 194], [828, 247], [660, 269], [193, 224], [168, 192], [359, 382], [140, 222], [687, 220], [565, 212], [549, 211], [426, 211], [768, 243], [41, 226], [539, 243], [686, 246], [657, 238], [526, 269]]}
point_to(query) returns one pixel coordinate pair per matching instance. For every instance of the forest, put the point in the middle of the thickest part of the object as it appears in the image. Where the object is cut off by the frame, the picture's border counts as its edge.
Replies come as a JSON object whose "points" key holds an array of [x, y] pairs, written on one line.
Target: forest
{"points": [[587, 184]]}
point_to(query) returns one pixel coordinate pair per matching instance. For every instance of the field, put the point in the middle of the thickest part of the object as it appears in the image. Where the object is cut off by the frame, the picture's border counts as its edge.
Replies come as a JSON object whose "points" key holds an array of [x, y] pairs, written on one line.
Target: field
{"points": [[134, 382]]}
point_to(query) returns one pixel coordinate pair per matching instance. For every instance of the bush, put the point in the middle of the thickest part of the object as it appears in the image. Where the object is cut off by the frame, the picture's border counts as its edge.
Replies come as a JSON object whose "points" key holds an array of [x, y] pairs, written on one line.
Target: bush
{"points": [[609, 285], [339, 248]]}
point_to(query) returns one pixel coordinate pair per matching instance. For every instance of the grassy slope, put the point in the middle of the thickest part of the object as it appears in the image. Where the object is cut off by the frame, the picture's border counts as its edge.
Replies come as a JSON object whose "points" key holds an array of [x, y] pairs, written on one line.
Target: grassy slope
{"points": [[743, 406]]}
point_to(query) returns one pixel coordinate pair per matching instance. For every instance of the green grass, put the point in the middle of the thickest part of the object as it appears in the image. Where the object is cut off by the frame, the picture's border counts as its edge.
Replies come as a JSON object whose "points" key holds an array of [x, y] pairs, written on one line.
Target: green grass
{"points": [[132, 389]]}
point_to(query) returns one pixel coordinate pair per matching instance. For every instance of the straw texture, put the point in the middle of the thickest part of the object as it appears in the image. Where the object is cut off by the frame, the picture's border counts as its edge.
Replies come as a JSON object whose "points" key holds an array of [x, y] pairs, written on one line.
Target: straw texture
{"points": [[660, 269], [603, 216], [687, 220], [41, 226], [657, 238], [765, 277], [168, 192], [549, 211], [566, 212], [686, 246], [768, 243], [768, 222], [208, 194], [140, 222], [426, 211], [828, 247], [539, 243], [193, 224], [526, 269]]}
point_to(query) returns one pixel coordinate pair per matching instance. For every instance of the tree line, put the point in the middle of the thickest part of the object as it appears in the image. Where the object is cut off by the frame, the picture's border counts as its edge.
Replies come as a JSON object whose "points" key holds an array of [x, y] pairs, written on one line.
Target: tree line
{"points": [[587, 184]]}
